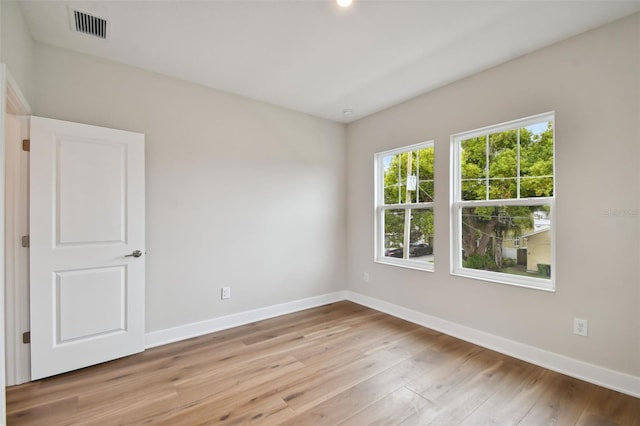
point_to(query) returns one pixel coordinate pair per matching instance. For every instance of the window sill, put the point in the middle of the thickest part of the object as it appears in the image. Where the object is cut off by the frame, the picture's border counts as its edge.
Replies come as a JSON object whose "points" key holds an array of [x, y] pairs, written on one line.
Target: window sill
{"points": [[406, 263], [507, 279]]}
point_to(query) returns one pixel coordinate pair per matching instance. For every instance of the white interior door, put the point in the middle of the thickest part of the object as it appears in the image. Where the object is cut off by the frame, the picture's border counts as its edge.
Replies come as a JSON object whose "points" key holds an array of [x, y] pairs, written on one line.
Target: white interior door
{"points": [[87, 264]]}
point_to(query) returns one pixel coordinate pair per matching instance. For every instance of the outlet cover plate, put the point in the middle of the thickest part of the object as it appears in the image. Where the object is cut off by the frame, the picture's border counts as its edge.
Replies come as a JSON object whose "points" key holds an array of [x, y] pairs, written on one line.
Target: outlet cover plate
{"points": [[580, 327], [226, 293]]}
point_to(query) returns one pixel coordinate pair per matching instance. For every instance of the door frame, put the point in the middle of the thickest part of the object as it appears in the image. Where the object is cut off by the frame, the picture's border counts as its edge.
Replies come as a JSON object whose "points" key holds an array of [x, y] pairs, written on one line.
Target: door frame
{"points": [[16, 306]]}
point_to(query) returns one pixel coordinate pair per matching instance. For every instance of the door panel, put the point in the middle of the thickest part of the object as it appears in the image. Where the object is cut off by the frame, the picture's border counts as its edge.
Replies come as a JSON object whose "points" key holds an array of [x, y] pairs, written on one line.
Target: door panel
{"points": [[87, 215], [90, 302], [91, 191]]}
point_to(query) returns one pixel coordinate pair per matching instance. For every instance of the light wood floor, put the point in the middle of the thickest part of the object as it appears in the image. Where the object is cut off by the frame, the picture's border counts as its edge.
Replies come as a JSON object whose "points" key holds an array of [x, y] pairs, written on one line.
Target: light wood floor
{"points": [[339, 364]]}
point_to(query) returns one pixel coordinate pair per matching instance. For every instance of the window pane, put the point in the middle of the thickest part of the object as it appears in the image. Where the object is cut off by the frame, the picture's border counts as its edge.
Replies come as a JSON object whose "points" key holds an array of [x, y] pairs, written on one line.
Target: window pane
{"points": [[425, 191], [503, 168], [473, 160], [393, 232], [393, 179], [531, 187], [408, 177], [508, 239], [420, 233], [533, 158], [424, 175], [536, 160]]}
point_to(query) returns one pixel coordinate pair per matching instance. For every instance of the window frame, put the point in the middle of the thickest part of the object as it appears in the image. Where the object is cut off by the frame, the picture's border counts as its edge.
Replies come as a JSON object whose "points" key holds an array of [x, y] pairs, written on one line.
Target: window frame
{"points": [[380, 207], [457, 205]]}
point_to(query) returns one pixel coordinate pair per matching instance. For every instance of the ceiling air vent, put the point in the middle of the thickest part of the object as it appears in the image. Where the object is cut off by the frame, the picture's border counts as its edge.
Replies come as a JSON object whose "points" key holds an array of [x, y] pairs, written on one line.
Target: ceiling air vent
{"points": [[86, 23]]}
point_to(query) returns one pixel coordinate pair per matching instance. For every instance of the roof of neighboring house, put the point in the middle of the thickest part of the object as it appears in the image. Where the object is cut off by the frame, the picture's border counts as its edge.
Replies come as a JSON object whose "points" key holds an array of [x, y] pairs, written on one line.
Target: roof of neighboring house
{"points": [[539, 231]]}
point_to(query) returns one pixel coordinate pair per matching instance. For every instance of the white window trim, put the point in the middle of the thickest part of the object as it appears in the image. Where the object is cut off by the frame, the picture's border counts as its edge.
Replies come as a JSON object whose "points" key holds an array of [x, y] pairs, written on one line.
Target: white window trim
{"points": [[379, 208], [457, 204]]}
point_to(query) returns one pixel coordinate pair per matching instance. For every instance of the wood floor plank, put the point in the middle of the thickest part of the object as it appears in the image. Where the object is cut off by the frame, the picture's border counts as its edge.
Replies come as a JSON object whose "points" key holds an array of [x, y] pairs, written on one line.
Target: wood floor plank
{"points": [[269, 410], [102, 376], [511, 401], [610, 408], [339, 363], [343, 405], [562, 403], [54, 413], [390, 410], [454, 372], [456, 398], [322, 387]]}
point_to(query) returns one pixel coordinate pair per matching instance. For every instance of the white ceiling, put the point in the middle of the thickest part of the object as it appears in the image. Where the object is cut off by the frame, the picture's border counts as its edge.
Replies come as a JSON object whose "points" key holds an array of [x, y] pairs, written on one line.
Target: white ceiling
{"points": [[315, 57]]}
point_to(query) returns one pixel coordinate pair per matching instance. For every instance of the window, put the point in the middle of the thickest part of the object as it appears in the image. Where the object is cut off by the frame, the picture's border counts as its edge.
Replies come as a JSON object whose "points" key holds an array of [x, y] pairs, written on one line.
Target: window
{"points": [[404, 206], [503, 201]]}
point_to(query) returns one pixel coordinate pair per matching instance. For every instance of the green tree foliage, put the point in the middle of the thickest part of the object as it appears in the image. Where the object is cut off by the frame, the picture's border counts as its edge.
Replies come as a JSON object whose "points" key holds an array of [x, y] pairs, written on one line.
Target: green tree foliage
{"points": [[491, 171]]}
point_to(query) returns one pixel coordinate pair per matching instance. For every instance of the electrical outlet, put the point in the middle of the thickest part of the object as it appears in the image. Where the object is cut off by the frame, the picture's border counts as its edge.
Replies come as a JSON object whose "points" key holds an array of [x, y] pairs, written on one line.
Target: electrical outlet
{"points": [[226, 293], [366, 277], [580, 327]]}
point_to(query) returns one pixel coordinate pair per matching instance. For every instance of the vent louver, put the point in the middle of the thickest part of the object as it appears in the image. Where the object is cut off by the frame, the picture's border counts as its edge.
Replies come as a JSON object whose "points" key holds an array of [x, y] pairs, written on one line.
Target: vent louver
{"points": [[90, 24]]}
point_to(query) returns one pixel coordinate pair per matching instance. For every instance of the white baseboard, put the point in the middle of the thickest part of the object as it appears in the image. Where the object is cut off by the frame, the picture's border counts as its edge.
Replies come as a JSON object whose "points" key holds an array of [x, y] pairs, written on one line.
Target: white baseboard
{"points": [[187, 331], [600, 376]]}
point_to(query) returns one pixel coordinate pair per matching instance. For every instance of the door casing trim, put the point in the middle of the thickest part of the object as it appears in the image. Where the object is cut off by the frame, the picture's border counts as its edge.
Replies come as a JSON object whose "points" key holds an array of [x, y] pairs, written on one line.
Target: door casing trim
{"points": [[16, 305]]}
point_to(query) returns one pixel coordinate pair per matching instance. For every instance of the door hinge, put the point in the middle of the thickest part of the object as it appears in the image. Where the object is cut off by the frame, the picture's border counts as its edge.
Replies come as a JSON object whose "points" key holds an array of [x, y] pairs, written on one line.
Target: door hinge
{"points": [[25, 241], [26, 337], [26, 145]]}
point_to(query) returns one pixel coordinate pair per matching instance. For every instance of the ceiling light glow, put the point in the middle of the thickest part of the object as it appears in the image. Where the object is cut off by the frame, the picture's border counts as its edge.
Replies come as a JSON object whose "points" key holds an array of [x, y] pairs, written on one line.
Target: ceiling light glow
{"points": [[344, 3]]}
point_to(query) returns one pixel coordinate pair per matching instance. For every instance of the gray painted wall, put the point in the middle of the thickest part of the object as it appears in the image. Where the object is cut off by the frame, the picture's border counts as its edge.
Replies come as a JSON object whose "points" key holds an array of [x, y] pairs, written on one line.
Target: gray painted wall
{"points": [[592, 83], [239, 193], [17, 47]]}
